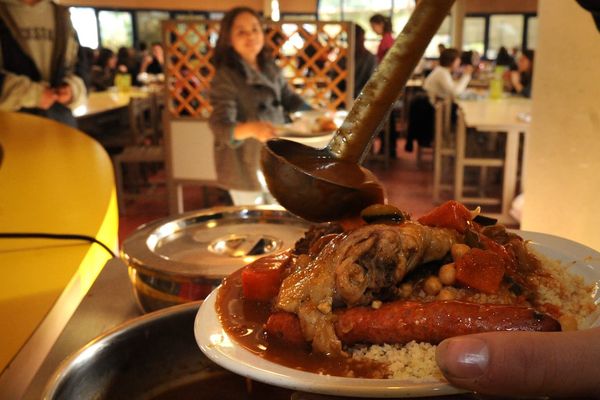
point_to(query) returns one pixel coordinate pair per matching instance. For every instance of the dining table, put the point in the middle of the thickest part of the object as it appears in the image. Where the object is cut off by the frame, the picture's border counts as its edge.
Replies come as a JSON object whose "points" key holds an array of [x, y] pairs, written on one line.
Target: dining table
{"points": [[57, 203], [508, 114], [109, 100]]}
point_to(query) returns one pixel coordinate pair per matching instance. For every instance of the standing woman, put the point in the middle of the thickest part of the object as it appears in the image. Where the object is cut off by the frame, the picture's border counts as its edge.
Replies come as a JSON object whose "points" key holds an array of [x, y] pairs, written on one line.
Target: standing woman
{"points": [[382, 26], [248, 94]]}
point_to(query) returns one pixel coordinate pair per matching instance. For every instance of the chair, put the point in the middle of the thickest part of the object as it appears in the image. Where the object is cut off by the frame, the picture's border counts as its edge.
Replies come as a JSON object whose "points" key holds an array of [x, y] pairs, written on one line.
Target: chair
{"points": [[189, 158], [420, 126], [145, 152], [463, 160], [444, 147]]}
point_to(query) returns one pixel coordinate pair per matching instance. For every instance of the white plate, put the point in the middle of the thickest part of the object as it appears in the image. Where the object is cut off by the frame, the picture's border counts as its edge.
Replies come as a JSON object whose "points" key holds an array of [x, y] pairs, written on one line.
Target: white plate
{"points": [[215, 343]]}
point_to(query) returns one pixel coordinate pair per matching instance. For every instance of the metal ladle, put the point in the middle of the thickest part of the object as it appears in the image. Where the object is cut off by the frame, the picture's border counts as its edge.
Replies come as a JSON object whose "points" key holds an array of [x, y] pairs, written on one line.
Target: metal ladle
{"points": [[329, 184]]}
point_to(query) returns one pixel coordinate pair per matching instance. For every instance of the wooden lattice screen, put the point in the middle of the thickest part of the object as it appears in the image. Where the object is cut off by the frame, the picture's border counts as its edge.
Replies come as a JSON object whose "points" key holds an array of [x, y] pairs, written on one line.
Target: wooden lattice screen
{"points": [[316, 58]]}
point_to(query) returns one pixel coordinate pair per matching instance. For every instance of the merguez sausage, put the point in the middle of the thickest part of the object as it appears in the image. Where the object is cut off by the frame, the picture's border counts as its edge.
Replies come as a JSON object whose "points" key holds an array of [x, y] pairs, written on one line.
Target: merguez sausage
{"points": [[400, 322]]}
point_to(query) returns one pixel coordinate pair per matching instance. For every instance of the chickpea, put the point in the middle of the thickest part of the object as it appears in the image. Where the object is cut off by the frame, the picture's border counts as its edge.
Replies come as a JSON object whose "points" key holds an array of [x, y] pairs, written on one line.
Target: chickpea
{"points": [[458, 250], [447, 274], [406, 289], [568, 323], [432, 285], [446, 294]]}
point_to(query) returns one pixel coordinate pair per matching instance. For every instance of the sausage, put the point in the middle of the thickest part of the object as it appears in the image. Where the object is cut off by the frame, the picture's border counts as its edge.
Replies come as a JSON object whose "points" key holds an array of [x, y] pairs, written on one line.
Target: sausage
{"points": [[285, 327], [400, 322]]}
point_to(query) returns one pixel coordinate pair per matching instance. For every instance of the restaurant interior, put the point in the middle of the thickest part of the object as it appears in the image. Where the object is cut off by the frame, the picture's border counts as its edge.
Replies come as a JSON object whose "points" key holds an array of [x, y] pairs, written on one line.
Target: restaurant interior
{"points": [[107, 221]]}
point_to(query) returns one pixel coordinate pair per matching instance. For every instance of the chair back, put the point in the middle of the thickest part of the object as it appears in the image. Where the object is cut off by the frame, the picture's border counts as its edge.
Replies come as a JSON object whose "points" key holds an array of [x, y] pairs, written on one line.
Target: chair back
{"points": [[189, 157], [141, 120]]}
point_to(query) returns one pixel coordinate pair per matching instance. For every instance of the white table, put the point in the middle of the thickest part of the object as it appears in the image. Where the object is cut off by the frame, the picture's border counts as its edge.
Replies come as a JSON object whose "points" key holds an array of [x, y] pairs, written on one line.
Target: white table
{"points": [[508, 114]]}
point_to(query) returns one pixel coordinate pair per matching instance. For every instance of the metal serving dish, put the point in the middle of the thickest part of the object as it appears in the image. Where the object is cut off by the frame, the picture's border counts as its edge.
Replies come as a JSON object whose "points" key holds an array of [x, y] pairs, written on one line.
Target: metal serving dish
{"points": [[174, 261], [152, 357]]}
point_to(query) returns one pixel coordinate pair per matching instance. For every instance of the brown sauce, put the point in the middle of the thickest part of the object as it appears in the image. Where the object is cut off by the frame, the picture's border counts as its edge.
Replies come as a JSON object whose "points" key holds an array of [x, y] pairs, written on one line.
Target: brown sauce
{"points": [[244, 320]]}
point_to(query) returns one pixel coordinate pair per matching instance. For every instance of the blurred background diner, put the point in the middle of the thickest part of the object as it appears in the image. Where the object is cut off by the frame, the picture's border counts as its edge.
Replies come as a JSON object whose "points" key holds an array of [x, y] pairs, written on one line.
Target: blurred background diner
{"points": [[159, 90]]}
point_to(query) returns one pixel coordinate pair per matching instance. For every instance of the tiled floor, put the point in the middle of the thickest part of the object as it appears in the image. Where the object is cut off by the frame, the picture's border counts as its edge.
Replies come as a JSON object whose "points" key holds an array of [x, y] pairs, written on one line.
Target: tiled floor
{"points": [[408, 187]]}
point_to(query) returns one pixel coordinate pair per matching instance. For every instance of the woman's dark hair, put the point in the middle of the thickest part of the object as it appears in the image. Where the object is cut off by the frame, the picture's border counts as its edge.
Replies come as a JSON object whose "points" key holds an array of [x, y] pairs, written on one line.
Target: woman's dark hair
{"points": [[224, 52], [530, 54], [503, 58], [359, 39], [466, 57], [382, 20], [448, 56], [103, 56]]}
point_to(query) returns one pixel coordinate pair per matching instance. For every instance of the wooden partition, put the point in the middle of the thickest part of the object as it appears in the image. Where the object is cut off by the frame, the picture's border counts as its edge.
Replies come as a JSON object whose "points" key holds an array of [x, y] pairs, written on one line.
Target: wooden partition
{"points": [[316, 57]]}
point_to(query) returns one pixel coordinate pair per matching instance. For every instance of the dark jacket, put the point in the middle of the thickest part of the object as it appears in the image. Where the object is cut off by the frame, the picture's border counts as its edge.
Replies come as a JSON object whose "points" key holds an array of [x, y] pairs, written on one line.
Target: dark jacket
{"points": [[14, 62], [238, 97]]}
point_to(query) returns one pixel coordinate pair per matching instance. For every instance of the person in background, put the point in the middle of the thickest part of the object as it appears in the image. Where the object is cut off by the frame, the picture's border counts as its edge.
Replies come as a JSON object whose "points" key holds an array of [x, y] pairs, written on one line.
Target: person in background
{"points": [[504, 59], [38, 56], [522, 78], [382, 26], [154, 64], [440, 84], [127, 64], [249, 95], [365, 62], [103, 71]]}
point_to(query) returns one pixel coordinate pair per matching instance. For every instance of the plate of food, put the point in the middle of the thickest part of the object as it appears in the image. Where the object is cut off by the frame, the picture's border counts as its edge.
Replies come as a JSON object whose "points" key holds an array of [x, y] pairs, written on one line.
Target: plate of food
{"points": [[357, 310], [312, 123]]}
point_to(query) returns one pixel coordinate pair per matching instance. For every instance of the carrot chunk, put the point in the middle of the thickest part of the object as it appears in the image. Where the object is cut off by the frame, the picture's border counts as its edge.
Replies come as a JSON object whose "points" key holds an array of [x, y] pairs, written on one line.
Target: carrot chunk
{"points": [[451, 214], [480, 269], [262, 278]]}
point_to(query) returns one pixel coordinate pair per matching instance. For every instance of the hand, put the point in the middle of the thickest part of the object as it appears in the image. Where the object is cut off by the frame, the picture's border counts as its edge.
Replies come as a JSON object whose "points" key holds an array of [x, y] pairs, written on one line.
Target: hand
{"points": [[259, 130], [64, 94], [47, 98], [468, 69], [524, 363]]}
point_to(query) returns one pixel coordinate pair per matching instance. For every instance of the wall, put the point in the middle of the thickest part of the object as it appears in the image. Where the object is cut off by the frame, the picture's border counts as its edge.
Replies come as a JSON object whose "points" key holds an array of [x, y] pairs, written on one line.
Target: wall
{"points": [[562, 174], [511, 6], [292, 6], [305, 6]]}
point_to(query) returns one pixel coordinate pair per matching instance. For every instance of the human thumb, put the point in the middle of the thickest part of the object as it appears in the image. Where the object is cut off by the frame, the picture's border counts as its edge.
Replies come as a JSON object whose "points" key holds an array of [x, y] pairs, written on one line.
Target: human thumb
{"points": [[524, 363]]}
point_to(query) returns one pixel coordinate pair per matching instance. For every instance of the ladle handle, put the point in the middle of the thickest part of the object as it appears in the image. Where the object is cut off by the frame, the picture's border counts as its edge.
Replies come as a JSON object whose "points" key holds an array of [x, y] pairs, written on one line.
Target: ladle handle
{"points": [[352, 139]]}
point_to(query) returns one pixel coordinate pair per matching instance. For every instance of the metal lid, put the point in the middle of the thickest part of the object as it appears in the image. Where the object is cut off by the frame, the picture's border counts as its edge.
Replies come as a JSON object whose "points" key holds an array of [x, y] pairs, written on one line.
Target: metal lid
{"points": [[212, 243]]}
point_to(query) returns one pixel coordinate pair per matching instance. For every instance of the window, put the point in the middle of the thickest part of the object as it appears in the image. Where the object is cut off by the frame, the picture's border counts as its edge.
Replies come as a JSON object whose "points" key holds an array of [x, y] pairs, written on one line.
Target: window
{"points": [[149, 25], [441, 37], [401, 13], [116, 29], [330, 10], [360, 11], [505, 30], [474, 34], [86, 25], [532, 29]]}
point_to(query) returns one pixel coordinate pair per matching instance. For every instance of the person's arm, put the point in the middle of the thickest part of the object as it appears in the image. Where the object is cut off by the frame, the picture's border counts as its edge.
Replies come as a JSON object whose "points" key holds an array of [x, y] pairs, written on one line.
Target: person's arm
{"points": [[291, 100], [556, 364], [223, 120], [459, 86], [515, 81], [18, 91], [73, 91]]}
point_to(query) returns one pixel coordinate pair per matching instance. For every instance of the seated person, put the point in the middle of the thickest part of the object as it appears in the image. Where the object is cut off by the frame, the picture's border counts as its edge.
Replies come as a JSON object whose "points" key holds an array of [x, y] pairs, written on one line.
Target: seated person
{"points": [[103, 71], [522, 78], [248, 94], [154, 64], [440, 84]]}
